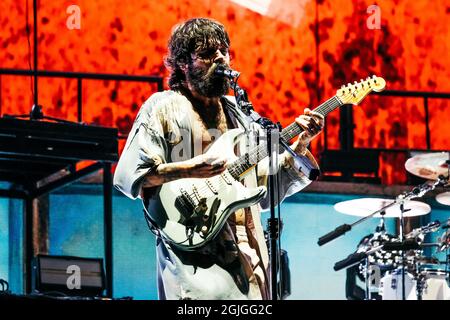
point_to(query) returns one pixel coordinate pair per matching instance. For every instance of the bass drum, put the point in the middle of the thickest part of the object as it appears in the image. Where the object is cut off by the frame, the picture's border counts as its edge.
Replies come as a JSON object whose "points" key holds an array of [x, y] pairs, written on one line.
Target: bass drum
{"points": [[433, 281]]}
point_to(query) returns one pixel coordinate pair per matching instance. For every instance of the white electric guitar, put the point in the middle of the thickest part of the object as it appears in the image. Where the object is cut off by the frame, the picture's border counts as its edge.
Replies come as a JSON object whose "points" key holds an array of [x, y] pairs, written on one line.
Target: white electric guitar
{"points": [[190, 212]]}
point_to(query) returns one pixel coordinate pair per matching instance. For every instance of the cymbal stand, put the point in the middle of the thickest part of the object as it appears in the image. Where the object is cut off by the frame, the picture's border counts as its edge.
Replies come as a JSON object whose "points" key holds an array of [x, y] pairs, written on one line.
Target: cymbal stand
{"points": [[420, 281], [444, 240], [380, 229], [367, 279], [447, 265], [415, 193], [401, 233]]}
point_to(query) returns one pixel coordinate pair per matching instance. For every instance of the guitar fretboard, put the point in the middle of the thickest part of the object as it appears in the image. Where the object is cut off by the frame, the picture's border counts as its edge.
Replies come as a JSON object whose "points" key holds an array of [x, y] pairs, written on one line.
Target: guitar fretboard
{"points": [[252, 157]]}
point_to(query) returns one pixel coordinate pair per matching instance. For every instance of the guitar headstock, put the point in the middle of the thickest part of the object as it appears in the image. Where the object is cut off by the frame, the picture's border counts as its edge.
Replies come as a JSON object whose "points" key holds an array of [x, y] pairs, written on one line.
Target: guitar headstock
{"points": [[354, 93]]}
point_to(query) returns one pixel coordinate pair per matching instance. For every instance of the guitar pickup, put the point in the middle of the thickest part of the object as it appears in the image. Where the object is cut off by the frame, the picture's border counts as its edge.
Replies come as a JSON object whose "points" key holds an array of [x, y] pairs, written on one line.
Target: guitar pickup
{"points": [[185, 206]]}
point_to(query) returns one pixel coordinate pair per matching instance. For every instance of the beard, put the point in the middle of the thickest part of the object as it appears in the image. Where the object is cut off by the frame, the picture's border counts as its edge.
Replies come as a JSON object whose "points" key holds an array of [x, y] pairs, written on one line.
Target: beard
{"points": [[206, 82]]}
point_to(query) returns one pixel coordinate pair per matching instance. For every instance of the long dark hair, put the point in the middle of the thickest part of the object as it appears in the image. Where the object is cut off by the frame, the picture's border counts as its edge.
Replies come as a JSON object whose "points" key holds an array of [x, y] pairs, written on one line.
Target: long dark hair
{"points": [[187, 38]]}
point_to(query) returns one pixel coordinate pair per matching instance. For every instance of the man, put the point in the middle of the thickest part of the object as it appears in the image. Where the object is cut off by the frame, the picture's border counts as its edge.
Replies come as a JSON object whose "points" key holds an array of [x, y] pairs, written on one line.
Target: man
{"points": [[234, 264]]}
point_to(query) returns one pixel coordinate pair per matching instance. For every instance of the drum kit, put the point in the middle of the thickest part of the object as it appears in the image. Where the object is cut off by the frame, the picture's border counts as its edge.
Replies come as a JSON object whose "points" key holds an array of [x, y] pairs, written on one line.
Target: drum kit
{"points": [[396, 267]]}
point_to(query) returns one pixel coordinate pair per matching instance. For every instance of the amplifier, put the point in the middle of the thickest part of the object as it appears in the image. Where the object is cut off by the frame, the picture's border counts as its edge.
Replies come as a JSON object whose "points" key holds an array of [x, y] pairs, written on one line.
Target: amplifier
{"points": [[73, 276]]}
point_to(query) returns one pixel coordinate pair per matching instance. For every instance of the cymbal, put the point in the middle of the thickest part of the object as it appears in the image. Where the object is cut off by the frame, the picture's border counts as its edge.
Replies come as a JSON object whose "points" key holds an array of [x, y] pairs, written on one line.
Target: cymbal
{"points": [[428, 165], [444, 198], [365, 206]]}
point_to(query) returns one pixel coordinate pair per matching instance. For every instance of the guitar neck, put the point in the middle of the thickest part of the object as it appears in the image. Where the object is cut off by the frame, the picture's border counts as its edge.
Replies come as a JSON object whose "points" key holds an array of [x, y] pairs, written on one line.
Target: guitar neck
{"points": [[252, 157], [324, 109]]}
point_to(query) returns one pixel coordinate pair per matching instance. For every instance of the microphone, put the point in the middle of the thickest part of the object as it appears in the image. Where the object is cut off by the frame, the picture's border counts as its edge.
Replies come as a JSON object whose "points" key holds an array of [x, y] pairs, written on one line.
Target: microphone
{"points": [[339, 231], [352, 259], [401, 246], [226, 72]]}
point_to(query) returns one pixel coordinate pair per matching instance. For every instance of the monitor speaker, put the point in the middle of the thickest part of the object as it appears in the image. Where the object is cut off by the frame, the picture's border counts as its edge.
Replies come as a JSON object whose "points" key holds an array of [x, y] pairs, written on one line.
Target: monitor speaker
{"points": [[72, 276]]}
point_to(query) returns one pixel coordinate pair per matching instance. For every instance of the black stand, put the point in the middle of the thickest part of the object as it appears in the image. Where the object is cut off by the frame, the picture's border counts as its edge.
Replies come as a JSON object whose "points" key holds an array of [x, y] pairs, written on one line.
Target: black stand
{"points": [[302, 163], [37, 114], [35, 53], [380, 230], [36, 110], [402, 238], [273, 223]]}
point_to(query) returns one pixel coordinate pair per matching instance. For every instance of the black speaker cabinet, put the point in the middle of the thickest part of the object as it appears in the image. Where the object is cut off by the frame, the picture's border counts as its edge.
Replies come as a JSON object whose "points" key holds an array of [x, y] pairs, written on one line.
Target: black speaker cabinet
{"points": [[72, 276]]}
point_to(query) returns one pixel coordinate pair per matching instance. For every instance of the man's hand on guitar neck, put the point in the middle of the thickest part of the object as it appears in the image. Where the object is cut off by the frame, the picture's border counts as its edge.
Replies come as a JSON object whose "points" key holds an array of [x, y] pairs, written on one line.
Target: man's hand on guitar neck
{"points": [[312, 123]]}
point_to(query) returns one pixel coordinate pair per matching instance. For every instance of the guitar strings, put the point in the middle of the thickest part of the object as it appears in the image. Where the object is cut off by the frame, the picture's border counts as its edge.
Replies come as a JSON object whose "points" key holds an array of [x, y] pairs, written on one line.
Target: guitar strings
{"points": [[260, 152]]}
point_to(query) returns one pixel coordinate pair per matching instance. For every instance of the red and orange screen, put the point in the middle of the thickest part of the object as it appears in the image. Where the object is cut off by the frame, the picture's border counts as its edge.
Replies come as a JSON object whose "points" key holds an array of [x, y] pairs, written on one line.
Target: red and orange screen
{"points": [[291, 53]]}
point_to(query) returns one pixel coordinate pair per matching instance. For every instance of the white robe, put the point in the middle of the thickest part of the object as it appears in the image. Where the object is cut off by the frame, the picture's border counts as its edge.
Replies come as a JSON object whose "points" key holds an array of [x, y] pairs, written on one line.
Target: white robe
{"points": [[235, 264]]}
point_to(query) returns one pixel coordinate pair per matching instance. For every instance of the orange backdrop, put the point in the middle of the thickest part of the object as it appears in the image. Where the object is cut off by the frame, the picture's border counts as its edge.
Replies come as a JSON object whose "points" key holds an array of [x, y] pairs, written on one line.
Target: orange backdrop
{"points": [[285, 65]]}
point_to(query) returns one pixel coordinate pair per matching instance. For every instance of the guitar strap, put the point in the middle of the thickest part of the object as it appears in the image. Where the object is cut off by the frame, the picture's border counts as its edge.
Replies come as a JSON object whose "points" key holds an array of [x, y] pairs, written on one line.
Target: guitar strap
{"points": [[239, 116], [152, 226]]}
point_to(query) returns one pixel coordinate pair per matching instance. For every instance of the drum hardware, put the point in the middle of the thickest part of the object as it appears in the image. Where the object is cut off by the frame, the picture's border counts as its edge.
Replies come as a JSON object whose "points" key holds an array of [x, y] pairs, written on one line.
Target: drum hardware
{"points": [[419, 232], [358, 257], [444, 242], [430, 166], [408, 282], [385, 206], [419, 280], [401, 207]]}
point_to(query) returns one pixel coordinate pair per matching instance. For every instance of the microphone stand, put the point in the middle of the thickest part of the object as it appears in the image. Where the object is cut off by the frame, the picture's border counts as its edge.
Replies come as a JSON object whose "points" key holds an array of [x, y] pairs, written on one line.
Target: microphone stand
{"points": [[36, 110], [273, 142], [35, 45]]}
